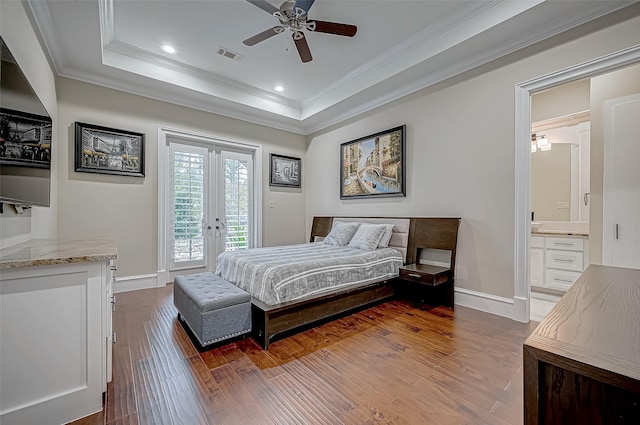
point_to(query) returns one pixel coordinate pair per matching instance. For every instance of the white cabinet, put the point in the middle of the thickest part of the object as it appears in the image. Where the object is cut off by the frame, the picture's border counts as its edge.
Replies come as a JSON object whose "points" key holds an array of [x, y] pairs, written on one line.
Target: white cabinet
{"points": [[564, 258], [536, 265], [621, 191], [55, 354]]}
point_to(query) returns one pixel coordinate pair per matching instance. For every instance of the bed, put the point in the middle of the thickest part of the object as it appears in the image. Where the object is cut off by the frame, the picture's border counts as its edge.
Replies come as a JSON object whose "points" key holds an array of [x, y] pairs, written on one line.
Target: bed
{"points": [[330, 286]]}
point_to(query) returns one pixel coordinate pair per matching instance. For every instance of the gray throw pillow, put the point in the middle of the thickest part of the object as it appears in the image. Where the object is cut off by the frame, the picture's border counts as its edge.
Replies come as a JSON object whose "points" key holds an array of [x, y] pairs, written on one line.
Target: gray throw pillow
{"points": [[341, 234], [367, 237]]}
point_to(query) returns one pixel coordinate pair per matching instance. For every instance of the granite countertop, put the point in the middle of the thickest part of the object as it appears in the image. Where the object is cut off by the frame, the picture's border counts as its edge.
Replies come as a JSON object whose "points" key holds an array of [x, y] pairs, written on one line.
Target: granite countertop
{"points": [[560, 228], [559, 233], [46, 252]]}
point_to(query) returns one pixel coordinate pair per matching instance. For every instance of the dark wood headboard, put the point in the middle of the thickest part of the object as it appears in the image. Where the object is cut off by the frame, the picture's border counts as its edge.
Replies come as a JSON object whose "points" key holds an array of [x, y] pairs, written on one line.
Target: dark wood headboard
{"points": [[424, 233]]}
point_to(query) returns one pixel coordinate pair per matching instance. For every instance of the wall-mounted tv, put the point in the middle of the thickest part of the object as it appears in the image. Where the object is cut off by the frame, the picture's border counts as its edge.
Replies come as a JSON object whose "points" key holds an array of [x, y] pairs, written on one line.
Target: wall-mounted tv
{"points": [[25, 138]]}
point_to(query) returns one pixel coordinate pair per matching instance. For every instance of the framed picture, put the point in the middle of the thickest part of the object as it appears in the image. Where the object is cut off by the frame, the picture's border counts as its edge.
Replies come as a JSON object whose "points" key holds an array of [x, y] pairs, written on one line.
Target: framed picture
{"points": [[284, 171], [109, 151], [374, 166], [25, 139]]}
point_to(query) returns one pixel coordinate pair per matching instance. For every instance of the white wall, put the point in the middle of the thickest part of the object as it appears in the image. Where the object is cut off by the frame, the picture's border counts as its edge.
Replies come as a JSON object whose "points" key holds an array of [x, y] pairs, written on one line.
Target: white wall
{"points": [[561, 101], [460, 150], [39, 222], [125, 208]]}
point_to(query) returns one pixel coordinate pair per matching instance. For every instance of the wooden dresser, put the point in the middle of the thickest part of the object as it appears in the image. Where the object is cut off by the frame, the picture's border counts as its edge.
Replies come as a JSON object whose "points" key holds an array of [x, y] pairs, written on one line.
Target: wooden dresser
{"points": [[582, 363]]}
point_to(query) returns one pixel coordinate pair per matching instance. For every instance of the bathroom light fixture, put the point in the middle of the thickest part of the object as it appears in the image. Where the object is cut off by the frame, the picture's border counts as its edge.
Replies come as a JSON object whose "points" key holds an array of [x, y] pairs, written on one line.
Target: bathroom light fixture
{"points": [[168, 49], [539, 142], [543, 143]]}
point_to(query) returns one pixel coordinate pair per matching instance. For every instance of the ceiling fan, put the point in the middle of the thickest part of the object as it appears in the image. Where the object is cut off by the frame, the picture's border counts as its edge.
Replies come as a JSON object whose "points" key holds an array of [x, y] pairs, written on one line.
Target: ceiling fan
{"points": [[292, 15]]}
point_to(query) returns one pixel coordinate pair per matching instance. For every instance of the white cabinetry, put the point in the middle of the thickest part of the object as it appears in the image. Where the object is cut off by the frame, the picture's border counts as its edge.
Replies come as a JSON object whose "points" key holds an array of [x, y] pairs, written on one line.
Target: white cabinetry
{"points": [[621, 191], [564, 259], [55, 328], [537, 260]]}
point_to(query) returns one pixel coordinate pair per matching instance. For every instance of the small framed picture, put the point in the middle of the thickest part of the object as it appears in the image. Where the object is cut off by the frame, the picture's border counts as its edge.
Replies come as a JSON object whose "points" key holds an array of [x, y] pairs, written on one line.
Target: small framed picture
{"points": [[284, 171], [109, 151]]}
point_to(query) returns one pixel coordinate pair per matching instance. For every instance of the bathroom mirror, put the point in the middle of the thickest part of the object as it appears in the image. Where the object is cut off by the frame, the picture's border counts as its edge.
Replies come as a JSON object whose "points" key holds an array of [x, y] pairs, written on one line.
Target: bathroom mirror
{"points": [[560, 175]]}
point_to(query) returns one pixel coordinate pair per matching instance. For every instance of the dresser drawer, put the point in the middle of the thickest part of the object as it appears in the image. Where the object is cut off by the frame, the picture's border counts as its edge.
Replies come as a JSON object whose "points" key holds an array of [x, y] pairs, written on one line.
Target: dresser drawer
{"points": [[560, 279], [564, 260], [571, 244], [428, 275]]}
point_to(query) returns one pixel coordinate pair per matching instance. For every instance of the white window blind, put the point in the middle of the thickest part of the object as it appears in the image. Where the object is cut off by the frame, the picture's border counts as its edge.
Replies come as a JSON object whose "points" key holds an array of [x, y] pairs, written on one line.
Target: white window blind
{"points": [[188, 206], [237, 202]]}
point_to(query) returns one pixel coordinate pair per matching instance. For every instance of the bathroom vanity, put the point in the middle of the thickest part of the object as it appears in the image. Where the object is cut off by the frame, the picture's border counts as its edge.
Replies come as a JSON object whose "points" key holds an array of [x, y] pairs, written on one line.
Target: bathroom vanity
{"points": [[559, 254]]}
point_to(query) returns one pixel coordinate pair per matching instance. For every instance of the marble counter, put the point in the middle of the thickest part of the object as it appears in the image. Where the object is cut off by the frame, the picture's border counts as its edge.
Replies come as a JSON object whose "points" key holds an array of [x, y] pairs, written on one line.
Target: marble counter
{"points": [[560, 228], [45, 252]]}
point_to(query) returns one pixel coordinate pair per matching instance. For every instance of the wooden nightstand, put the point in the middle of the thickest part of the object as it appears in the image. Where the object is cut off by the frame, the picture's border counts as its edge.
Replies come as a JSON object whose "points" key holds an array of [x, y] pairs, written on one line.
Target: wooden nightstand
{"points": [[431, 276], [425, 274]]}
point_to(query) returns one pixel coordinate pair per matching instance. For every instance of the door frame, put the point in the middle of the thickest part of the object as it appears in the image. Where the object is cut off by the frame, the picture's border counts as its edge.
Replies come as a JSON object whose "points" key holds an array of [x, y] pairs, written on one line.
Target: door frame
{"points": [[164, 275], [523, 92]]}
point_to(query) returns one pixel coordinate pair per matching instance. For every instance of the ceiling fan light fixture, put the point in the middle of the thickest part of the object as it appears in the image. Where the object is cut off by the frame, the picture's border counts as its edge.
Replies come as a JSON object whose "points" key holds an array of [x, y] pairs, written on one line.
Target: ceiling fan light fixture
{"points": [[292, 15]]}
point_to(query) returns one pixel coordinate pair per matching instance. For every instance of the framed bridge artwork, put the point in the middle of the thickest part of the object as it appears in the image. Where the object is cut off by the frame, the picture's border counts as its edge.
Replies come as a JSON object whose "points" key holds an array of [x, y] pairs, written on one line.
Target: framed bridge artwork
{"points": [[108, 150], [374, 166]]}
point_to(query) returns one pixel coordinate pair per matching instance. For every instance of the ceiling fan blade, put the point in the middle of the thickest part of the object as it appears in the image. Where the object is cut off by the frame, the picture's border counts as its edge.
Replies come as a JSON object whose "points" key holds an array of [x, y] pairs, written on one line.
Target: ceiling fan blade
{"points": [[264, 5], [334, 28], [252, 41], [304, 4], [303, 47]]}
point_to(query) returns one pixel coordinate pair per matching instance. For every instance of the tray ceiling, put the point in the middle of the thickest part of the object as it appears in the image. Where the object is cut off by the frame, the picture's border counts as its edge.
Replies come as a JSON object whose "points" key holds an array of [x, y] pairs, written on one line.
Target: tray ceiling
{"points": [[400, 47]]}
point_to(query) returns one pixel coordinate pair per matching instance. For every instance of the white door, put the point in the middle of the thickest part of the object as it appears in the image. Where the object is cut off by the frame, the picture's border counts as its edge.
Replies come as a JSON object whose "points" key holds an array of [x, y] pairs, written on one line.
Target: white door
{"points": [[234, 220], [211, 204], [189, 200], [621, 186]]}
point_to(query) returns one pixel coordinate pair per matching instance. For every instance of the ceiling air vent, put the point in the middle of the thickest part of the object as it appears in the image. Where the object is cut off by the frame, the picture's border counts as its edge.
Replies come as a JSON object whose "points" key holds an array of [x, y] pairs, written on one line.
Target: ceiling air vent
{"points": [[229, 54]]}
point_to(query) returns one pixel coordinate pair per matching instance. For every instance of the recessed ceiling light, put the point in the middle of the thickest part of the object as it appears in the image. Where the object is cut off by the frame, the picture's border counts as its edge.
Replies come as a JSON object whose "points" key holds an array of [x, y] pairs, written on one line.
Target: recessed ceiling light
{"points": [[278, 88], [167, 48]]}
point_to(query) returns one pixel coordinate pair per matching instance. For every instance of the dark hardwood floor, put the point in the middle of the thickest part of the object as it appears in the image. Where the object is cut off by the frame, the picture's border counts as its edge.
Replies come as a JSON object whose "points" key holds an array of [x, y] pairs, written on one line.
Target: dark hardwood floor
{"points": [[396, 363]]}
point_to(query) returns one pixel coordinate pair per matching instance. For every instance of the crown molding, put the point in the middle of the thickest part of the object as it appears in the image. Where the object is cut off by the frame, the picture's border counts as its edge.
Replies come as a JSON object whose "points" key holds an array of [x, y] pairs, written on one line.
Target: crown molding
{"points": [[42, 17], [420, 77], [145, 58], [413, 65], [190, 99]]}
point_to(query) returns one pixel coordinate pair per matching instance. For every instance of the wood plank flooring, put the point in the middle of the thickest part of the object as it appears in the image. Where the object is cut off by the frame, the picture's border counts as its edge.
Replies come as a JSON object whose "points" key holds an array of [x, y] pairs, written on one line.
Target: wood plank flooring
{"points": [[396, 363]]}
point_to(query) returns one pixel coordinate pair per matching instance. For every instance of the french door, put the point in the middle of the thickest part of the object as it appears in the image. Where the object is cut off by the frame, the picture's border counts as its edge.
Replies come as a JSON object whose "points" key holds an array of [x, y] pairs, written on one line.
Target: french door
{"points": [[210, 203]]}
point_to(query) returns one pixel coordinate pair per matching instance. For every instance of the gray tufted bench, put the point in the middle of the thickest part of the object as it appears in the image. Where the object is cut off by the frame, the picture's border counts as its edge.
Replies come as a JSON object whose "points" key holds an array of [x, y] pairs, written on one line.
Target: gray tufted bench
{"points": [[213, 308]]}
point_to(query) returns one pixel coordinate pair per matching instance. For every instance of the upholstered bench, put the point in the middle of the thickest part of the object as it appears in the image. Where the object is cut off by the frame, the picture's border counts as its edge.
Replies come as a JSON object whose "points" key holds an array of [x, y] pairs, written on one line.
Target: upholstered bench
{"points": [[213, 308]]}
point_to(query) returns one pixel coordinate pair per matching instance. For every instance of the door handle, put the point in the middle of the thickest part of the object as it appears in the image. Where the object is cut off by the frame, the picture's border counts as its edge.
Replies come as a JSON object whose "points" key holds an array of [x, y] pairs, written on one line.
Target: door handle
{"points": [[617, 234], [586, 198]]}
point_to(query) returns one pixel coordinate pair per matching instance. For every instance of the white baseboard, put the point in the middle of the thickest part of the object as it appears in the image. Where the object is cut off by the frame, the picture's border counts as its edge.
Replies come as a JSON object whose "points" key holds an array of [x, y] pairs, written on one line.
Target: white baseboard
{"points": [[484, 302], [133, 283], [464, 297]]}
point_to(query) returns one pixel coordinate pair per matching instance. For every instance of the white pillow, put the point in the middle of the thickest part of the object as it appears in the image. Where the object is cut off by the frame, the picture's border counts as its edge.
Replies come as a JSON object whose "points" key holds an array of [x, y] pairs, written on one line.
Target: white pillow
{"points": [[341, 234], [367, 237], [386, 237]]}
